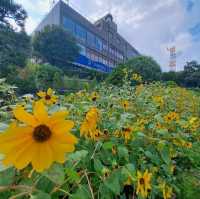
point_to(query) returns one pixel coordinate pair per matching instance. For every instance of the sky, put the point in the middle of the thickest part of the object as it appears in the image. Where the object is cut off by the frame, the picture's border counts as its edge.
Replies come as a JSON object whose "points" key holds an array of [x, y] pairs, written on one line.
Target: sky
{"points": [[151, 26]]}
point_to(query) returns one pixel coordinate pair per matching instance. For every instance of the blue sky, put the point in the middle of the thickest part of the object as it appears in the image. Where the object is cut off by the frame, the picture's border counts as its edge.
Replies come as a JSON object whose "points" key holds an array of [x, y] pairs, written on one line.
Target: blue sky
{"points": [[151, 26]]}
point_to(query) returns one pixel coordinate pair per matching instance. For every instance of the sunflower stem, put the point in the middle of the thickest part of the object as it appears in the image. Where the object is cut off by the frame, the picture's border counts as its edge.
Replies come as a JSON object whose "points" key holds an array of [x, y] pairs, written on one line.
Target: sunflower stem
{"points": [[89, 184]]}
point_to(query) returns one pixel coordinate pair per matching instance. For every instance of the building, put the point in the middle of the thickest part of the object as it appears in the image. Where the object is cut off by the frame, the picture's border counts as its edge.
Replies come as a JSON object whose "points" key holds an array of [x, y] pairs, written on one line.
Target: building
{"points": [[102, 47]]}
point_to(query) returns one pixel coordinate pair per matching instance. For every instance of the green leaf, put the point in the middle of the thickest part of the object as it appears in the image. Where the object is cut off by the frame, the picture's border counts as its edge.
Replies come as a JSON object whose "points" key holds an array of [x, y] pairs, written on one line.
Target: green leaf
{"points": [[81, 193], [105, 192], [153, 157], [123, 152], [41, 195], [98, 165], [56, 174], [165, 154], [108, 145], [113, 182], [7, 177], [72, 175], [78, 155]]}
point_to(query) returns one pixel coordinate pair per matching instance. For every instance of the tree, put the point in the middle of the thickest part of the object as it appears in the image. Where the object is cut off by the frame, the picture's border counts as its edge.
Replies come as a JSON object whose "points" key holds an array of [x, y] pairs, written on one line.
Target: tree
{"points": [[191, 74], [14, 48], [14, 45], [55, 45], [10, 10], [145, 66]]}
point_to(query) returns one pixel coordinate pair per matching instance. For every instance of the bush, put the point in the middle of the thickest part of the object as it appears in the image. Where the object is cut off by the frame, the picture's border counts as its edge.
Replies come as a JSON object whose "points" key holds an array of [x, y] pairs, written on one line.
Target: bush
{"points": [[47, 76], [145, 66]]}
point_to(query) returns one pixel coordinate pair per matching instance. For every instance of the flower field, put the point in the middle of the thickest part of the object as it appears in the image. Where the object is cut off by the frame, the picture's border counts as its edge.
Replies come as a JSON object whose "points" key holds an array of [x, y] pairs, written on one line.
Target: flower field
{"points": [[132, 142]]}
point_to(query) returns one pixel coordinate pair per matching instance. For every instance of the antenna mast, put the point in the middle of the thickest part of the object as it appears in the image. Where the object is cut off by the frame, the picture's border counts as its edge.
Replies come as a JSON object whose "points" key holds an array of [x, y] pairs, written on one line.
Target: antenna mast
{"points": [[172, 58]]}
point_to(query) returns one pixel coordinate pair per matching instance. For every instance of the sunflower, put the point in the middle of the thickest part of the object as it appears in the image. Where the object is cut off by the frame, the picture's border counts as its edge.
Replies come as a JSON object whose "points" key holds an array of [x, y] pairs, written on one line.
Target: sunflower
{"points": [[48, 97], [127, 133], [89, 125], [37, 138], [171, 116], [166, 190], [125, 104], [158, 100], [137, 77], [143, 183], [94, 96]]}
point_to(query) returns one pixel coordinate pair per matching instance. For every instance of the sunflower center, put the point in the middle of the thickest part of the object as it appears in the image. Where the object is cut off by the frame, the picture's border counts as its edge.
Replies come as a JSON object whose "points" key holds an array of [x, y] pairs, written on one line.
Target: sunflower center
{"points": [[47, 97], [141, 180], [94, 98], [41, 133]]}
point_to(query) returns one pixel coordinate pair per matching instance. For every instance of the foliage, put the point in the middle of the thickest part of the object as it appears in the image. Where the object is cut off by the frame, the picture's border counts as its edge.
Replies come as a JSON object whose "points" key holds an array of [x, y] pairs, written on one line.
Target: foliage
{"points": [[189, 77], [145, 66], [7, 93], [55, 45], [14, 48], [158, 131], [9, 10], [48, 76], [191, 74]]}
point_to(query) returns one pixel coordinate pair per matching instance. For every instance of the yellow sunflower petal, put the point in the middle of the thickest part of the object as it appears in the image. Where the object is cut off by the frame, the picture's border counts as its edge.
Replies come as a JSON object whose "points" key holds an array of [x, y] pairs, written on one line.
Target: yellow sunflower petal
{"points": [[58, 155], [40, 112], [13, 137], [63, 127], [41, 94], [57, 116], [65, 138], [25, 157], [42, 159], [10, 158], [49, 91], [65, 147], [23, 116]]}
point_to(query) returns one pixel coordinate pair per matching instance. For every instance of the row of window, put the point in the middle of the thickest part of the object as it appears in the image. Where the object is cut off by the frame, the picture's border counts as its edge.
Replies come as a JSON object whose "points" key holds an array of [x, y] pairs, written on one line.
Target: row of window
{"points": [[98, 58], [86, 36], [94, 57], [80, 32]]}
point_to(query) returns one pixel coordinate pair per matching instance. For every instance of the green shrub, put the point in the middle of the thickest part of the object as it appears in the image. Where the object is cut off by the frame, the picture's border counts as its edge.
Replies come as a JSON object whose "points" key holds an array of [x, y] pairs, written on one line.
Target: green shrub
{"points": [[145, 66], [47, 76]]}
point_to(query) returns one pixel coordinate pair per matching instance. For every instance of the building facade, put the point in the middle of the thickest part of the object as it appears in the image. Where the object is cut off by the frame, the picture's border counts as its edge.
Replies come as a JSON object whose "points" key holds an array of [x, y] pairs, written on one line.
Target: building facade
{"points": [[102, 47]]}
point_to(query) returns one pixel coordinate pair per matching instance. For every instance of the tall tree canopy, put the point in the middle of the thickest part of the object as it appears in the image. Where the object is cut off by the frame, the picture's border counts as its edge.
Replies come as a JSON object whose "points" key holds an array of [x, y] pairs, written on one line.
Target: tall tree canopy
{"points": [[14, 47], [55, 45], [9, 10], [14, 43]]}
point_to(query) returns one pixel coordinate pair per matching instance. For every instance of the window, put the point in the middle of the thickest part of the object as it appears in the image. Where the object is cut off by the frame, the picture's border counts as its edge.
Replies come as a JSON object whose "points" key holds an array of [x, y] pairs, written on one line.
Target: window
{"points": [[80, 32], [98, 44], [69, 24], [112, 50], [82, 49], [105, 61], [104, 46], [111, 36], [90, 39]]}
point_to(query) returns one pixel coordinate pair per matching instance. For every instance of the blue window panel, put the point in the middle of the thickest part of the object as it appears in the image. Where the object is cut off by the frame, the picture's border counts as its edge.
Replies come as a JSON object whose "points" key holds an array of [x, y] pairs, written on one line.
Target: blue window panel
{"points": [[69, 25], [82, 49], [80, 32], [86, 62], [98, 44], [90, 39]]}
